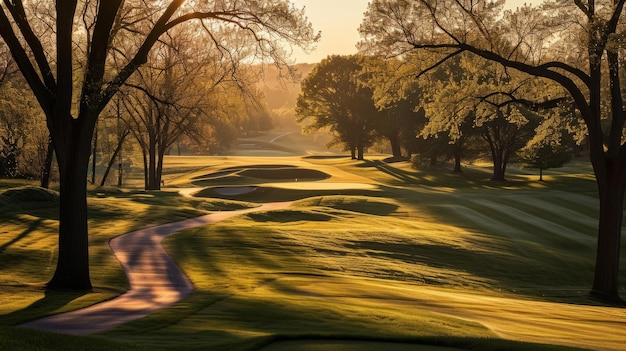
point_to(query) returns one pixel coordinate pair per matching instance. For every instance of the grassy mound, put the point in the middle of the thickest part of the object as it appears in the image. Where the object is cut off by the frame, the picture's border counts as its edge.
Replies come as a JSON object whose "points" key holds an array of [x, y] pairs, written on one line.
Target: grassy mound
{"points": [[359, 204], [274, 194], [30, 193], [420, 344], [23, 196], [261, 166], [287, 216]]}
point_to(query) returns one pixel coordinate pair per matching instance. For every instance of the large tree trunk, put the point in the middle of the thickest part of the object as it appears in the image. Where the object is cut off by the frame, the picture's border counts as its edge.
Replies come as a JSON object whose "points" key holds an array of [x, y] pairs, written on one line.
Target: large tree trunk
{"points": [[47, 166], [498, 170], [396, 149], [457, 150], [457, 163], [152, 168], [499, 165], [72, 144], [611, 194], [94, 159], [72, 271]]}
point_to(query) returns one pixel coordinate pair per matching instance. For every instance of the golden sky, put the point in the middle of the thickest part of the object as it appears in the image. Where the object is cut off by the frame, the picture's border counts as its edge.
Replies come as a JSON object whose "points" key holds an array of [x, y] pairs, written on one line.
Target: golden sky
{"points": [[339, 21]]}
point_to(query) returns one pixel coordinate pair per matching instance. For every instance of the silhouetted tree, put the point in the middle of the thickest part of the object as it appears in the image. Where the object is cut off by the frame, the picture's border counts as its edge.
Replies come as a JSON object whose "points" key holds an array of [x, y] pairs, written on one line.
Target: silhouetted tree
{"points": [[333, 97]]}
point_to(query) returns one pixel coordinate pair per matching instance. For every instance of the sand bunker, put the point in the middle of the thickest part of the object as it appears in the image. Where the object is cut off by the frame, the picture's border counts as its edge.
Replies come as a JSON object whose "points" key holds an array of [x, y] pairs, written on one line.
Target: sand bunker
{"points": [[322, 186], [235, 190]]}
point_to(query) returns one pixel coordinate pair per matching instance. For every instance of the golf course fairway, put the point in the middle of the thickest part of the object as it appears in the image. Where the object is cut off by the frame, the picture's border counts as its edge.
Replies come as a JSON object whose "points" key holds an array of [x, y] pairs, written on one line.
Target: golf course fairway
{"points": [[369, 255]]}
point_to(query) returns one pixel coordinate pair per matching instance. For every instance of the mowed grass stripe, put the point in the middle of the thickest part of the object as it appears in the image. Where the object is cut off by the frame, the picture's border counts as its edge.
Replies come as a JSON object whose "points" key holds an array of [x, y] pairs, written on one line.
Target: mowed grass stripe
{"points": [[480, 220], [557, 213], [536, 226], [479, 214], [576, 201], [542, 225]]}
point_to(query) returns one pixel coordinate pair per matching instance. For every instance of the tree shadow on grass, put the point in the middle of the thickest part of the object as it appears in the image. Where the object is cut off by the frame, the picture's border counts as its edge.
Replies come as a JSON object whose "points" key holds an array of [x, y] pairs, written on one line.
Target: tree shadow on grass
{"points": [[360, 204], [252, 323], [31, 228], [48, 305], [399, 174], [286, 216], [538, 277]]}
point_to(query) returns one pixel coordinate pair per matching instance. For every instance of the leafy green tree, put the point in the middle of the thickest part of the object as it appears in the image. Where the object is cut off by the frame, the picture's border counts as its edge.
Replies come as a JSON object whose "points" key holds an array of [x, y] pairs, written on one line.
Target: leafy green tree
{"points": [[49, 48], [399, 100], [462, 103], [19, 131], [12, 136], [575, 44], [333, 97], [550, 148], [544, 156]]}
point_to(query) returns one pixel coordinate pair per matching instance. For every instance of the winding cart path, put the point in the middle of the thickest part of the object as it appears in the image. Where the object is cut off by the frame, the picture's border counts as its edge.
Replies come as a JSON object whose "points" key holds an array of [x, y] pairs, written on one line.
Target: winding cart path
{"points": [[155, 280]]}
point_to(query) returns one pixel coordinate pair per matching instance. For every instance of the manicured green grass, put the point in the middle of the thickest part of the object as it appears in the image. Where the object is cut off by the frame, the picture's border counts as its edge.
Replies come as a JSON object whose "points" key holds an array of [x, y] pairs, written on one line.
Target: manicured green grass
{"points": [[15, 339], [577, 174], [14, 183], [423, 257]]}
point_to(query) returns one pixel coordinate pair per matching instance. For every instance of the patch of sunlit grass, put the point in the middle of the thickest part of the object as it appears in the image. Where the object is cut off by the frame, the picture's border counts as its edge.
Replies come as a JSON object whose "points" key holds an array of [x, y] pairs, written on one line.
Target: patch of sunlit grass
{"points": [[475, 176]]}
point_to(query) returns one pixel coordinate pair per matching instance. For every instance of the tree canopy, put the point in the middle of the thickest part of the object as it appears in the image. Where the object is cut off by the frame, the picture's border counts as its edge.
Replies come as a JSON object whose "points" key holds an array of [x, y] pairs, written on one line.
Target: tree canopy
{"points": [[332, 96]]}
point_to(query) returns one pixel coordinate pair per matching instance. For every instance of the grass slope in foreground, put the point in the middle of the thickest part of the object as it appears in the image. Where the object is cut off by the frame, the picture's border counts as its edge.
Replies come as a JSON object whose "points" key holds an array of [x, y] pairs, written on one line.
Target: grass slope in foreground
{"points": [[460, 262]]}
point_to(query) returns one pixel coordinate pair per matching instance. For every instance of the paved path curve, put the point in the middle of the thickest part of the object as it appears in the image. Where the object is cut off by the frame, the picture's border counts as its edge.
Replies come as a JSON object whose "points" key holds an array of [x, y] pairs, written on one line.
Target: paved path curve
{"points": [[155, 280]]}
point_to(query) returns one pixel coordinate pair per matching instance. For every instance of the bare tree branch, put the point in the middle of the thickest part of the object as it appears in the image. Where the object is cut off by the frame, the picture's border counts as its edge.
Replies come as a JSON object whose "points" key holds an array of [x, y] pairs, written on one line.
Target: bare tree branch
{"points": [[42, 92], [18, 14]]}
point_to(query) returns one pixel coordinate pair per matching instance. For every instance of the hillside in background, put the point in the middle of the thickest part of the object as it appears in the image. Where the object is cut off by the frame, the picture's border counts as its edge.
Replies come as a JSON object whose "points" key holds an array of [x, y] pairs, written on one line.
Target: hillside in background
{"points": [[281, 93]]}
